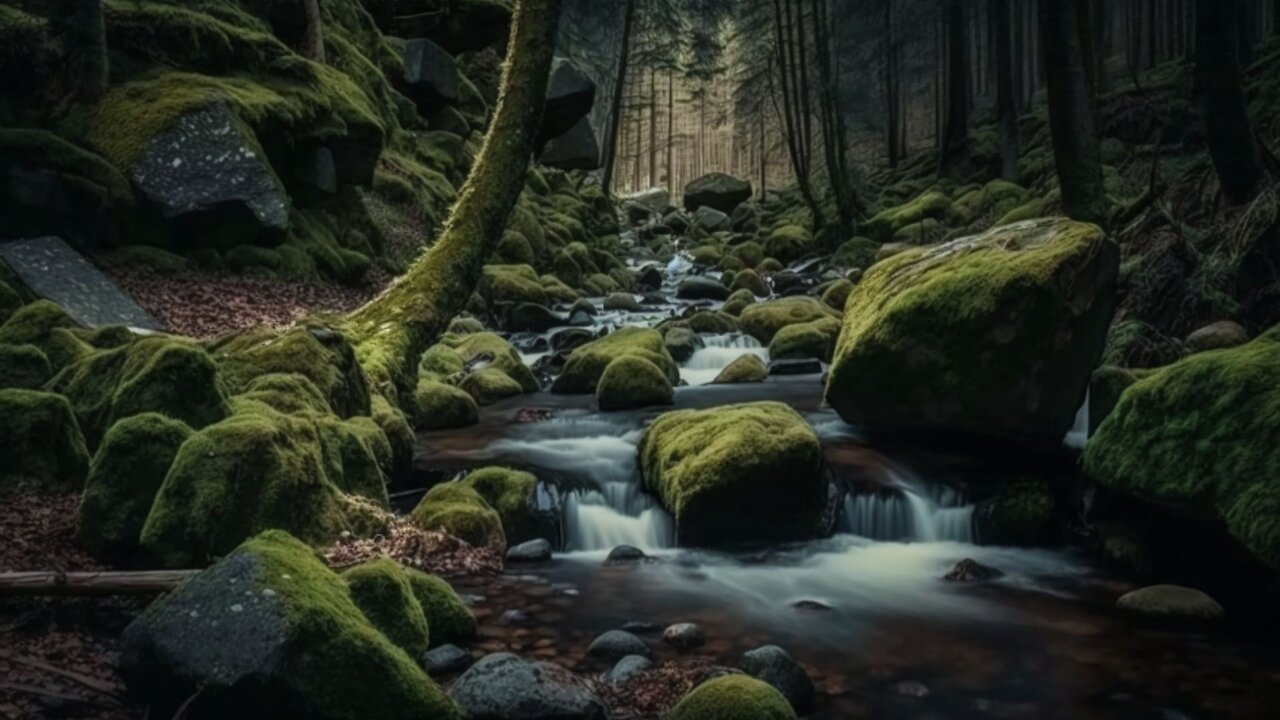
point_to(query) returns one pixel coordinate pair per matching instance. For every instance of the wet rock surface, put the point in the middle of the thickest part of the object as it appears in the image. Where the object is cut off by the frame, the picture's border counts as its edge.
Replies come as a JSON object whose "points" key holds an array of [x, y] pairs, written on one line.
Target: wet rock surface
{"points": [[502, 685]]}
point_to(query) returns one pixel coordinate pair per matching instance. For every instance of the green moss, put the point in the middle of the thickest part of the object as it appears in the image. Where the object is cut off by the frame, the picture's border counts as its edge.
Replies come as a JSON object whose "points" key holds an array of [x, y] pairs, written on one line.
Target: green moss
{"points": [[1030, 210], [125, 476], [323, 356], [815, 339], [837, 294], [763, 320], [714, 323], [1021, 513], [887, 223], [514, 249], [859, 252], [632, 382], [706, 255], [746, 369], [381, 589], [585, 366], [925, 232], [36, 324], [789, 243], [449, 619], [465, 326], [735, 473], [749, 253], [439, 406], [10, 301], [749, 280], [289, 393], [503, 358], [395, 427], [733, 697], [110, 336], [1135, 344], [513, 283], [40, 442], [1203, 433], [459, 510], [994, 199], [510, 492], [987, 334], [738, 302], [490, 385], [47, 150], [23, 367], [769, 265]]}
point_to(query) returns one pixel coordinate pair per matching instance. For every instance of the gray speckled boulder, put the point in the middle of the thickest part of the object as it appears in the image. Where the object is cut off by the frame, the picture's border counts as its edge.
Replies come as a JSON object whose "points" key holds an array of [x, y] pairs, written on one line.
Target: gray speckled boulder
{"points": [[722, 192], [775, 666], [430, 75], [570, 95], [617, 644], [503, 686], [576, 149]]}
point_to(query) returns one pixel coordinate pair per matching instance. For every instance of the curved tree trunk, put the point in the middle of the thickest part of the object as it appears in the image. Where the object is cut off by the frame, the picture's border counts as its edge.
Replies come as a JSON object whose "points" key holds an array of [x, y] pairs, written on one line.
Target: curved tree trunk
{"points": [[1227, 129], [392, 330]]}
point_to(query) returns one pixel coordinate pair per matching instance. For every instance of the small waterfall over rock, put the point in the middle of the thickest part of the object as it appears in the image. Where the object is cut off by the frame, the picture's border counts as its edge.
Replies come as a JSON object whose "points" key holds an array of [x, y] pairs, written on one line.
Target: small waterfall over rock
{"points": [[1078, 435], [716, 353], [906, 509]]}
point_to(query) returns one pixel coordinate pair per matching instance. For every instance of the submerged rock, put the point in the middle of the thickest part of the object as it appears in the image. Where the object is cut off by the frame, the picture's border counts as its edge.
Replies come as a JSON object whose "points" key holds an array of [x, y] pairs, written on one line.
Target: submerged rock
{"points": [[970, 570], [446, 660], [531, 551], [614, 645], [736, 473], [993, 335], [773, 665], [1170, 602], [502, 685]]}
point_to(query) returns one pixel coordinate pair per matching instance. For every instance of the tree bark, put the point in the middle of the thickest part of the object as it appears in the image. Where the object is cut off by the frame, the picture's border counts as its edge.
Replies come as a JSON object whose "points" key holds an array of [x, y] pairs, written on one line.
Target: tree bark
{"points": [[85, 31], [1228, 131], [155, 582], [892, 84], [392, 330], [313, 36], [1071, 113], [1006, 109], [955, 134], [619, 88]]}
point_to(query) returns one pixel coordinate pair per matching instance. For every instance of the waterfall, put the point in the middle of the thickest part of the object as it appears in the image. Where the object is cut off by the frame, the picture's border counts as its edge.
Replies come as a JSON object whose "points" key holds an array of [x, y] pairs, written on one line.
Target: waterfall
{"points": [[906, 510], [592, 522], [716, 353], [1078, 435]]}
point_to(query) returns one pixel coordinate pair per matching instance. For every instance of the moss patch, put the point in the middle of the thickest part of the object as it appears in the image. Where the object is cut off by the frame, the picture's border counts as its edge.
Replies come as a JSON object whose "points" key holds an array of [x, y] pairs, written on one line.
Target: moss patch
{"points": [[439, 406], [763, 320], [40, 442], [632, 382], [746, 369], [23, 367], [587, 364], [381, 589], [733, 697], [449, 619], [510, 492], [462, 512]]}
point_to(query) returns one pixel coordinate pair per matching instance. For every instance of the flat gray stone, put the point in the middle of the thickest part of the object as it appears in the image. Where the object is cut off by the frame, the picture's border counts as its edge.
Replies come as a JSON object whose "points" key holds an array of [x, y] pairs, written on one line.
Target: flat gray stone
{"points": [[502, 685], [54, 270], [445, 660]]}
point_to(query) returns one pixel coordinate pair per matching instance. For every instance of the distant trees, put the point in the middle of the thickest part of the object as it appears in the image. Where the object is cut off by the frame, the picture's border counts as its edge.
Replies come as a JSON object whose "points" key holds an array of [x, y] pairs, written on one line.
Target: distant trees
{"points": [[615, 105], [1065, 37], [954, 146], [85, 31], [1232, 143], [1006, 106]]}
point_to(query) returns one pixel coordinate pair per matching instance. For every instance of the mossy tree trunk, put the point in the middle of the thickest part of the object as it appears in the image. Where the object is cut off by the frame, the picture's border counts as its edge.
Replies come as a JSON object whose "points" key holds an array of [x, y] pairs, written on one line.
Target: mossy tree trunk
{"points": [[86, 37], [393, 329], [1072, 120], [1232, 144]]}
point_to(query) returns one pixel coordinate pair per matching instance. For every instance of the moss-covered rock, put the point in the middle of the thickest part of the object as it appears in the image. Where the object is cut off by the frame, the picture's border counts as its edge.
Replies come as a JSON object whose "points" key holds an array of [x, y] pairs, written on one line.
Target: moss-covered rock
{"points": [[995, 199], [746, 369], [395, 427], [733, 697], [289, 393], [489, 386], [750, 472], [763, 320], [459, 510], [859, 252], [681, 342], [1020, 513], [439, 406], [712, 323], [323, 356], [925, 232], [23, 367], [931, 205], [788, 243], [587, 364], [40, 442], [738, 302], [994, 334], [814, 339], [1203, 434], [511, 493], [502, 356], [381, 589], [837, 294], [448, 618], [749, 280], [44, 325], [270, 626], [632, 382], [125, 476], [514, 284]]}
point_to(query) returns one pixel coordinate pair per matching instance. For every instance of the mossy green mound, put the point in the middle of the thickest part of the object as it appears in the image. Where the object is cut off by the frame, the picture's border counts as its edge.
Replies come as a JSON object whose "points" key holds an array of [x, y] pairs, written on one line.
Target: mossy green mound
{"points": [[44, 325], [928, 206], [41, 446], [746, 369], [712, 323], [513, 284], [510, 492], [587, 364], [503, 356], [270, 626], [289, 393], [750, 472], [788, 243], [815, 339], [632, 382], [490, 385], [993, 200], [1204, 434], [439, 406], [125, 476], [837, 294], [763, 320], [23, 367], [994, 334], [738, 302], [733, 697], [381, 589], [448, 618], [458, 509], [859, 253], [321, 355]]}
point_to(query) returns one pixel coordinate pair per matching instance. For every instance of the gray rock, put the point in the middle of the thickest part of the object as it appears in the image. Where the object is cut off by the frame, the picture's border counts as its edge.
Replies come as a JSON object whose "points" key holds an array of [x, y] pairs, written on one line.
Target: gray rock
{"points": [[527, 317], [656, 200], [446, 660], [681, 343], [970, 570], [623, 301], [571, 338], [316, 170], [205, 167], [773, 665], [1170, 602], [677, 221], [617, 644], [745, 219], [625, 554], [700, 288], [795, 366], [649, 278], [710, 219], [576, 149], [570, 95], [685, 636], [532, 551], [502, 685], [430, 75], [626, 669], [579, 319], [717, 190], [1219, 335]]}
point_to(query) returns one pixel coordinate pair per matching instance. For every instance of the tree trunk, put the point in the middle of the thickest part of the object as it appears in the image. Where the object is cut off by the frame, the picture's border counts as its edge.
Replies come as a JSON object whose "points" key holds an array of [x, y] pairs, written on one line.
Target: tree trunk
{"points": [[86, 37], [653, 127], [392, 330], [313, 36], [1227, 129], [1244, 26], [619, 88], [48, 584], [891, 83], [1071, 114], [1006, 112], [671, 107], [955, 134]]}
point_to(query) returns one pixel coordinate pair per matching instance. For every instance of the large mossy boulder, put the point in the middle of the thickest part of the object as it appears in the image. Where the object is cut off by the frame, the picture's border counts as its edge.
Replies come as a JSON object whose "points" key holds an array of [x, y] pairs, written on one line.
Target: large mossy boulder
{"points": [[322, 355], [500, 355], [41, 446], [124, 477], [632, 382], [23, 367], [45, 326], [269, 626], [449, 620], [512, 494], [928, 206], [733, 697], [745, 369], [586, 365], [439, 406], [992, 335], [513, 284], [1203, 434], [814, 339], [788, 243], [716, 190], [763, 320], [458, 509], [381, 589], [739, 473]]}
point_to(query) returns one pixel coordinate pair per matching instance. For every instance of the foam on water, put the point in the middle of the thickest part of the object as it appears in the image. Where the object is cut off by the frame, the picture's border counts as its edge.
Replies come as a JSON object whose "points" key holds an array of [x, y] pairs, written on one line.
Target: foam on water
{"points": [[716, 354]]}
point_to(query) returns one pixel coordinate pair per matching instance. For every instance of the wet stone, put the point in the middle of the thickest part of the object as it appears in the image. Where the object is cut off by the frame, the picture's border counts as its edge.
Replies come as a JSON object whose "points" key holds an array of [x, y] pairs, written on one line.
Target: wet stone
{"points": [[795, 366], [446, 660], [685, 636], [626, 669], [970, 570], [617, 644], [533, 551], [502, 685], [625, 554], [773, 665]]}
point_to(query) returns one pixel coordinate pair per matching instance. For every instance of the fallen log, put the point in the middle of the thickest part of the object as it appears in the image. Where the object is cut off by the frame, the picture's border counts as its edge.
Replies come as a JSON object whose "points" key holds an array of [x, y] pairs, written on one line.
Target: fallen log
{"points": [[41, 583]]}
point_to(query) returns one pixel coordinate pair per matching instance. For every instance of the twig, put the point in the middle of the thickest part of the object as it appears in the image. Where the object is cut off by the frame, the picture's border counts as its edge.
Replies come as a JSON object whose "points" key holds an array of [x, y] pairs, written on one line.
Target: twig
{"points": [[33, 690], [93, 684], [418, 16]]}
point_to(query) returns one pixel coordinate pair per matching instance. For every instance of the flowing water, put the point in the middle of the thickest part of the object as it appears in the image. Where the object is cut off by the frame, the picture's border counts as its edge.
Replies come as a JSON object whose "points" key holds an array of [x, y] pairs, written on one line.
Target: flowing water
{"points": [[716, 354]]}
